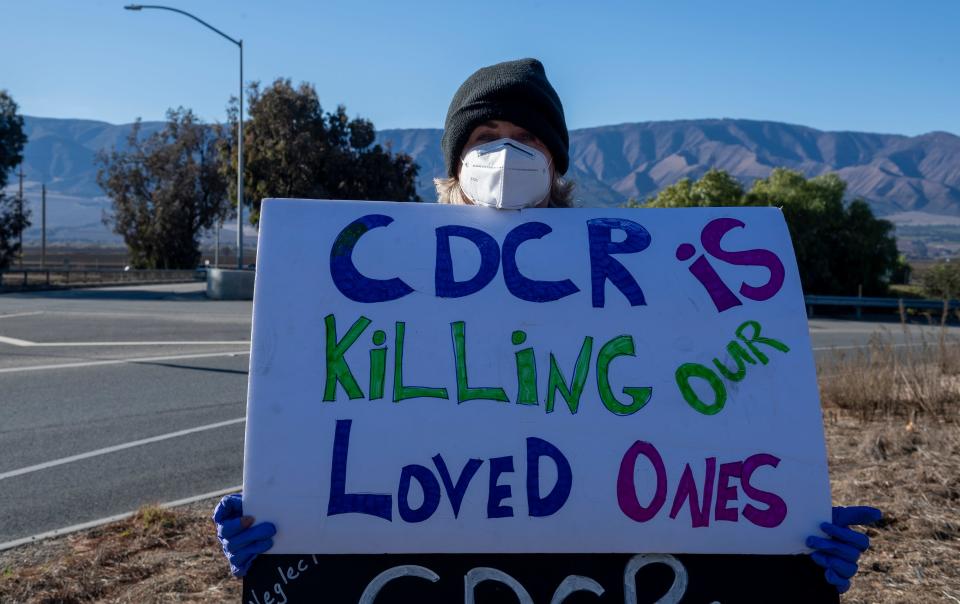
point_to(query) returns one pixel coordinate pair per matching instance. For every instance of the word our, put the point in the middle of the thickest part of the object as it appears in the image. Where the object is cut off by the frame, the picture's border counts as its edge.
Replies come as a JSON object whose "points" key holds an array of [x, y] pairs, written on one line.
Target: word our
{"points": [[740, 356], [602, 249], [698, 498]]}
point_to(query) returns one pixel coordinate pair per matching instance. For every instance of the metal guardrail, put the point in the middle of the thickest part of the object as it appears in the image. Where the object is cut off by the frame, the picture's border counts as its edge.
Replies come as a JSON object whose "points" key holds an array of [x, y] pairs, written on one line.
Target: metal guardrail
{"points": [[27, 278], [39, 278], [859, 303]]}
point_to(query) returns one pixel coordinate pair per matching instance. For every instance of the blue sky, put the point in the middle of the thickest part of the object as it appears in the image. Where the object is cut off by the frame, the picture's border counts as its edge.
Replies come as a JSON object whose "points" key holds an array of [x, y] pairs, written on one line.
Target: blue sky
{"points": [[845, 65]]}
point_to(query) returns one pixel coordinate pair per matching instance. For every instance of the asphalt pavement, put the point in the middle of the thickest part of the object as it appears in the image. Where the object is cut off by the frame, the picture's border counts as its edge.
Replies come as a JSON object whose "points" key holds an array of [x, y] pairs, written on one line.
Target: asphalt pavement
{"points": [[116, 397], [87, 375]]}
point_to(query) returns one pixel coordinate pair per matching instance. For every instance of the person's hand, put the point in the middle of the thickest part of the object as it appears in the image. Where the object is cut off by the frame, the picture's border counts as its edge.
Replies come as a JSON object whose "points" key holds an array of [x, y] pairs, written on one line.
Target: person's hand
{"points": [[242, 539], [839, 554]]}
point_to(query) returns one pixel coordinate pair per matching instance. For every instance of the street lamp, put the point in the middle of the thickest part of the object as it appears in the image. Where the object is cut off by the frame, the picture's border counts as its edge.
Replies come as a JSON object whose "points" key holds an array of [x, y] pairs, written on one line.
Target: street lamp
{"points": [[239, 44]]}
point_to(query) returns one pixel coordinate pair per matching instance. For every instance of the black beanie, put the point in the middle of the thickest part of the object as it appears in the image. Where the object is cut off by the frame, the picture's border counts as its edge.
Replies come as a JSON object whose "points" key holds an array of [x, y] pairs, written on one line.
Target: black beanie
{"points": [[514, 91]]}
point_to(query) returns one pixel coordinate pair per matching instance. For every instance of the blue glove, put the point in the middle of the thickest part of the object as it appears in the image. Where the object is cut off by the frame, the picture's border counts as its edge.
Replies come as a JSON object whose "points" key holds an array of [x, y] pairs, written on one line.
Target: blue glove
{"points": [[839, 554], [242, 540]]}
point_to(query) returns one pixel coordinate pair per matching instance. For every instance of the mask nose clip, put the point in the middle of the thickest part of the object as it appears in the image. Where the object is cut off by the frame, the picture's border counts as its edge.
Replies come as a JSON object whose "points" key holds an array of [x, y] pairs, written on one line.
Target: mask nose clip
{"points": [[521, 150]]}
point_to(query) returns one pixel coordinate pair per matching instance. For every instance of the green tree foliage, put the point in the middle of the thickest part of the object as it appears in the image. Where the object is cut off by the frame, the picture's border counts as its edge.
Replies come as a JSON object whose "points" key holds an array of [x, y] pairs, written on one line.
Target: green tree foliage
{"points": [[166, 189], [12, 141], [901, 272], [715, 188], [942, 281], [839, 246], [293, 149]]}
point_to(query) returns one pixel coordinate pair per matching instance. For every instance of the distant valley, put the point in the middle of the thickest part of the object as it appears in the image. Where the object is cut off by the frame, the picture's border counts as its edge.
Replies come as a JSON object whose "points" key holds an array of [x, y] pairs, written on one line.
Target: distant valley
{"points": [[914, 181]]}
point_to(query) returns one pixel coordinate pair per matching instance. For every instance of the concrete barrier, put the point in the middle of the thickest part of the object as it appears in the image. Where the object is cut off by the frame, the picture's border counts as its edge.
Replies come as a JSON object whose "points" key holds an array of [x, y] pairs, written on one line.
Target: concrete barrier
{"points": [[223, 284]]}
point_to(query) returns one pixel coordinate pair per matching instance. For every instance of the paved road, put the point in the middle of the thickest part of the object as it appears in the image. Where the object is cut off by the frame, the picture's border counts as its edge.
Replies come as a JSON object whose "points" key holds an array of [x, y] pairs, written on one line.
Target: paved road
{"points": [[87, 375], [109, 367]]}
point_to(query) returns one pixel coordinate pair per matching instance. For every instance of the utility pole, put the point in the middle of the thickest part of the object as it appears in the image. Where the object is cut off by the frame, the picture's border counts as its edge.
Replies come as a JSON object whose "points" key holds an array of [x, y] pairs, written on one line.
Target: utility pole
{"points": [[240, 166], [20, 214], [216, 252], [43, 225]]}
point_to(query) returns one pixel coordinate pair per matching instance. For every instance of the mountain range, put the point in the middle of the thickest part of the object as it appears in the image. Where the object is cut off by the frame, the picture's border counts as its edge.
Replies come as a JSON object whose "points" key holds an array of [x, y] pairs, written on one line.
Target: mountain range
{"points": [[916, 178]]}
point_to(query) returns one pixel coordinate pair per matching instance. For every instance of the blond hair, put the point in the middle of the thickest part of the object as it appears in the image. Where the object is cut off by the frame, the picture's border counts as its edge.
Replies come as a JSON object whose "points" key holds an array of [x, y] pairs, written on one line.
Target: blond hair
{"points": [[449, 191]]}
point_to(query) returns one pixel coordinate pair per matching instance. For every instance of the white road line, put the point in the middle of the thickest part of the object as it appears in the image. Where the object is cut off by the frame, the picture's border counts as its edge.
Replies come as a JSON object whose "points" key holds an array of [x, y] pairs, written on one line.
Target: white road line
{"points": [[101, 521], [128, 445], [29, 344], [866, 345], [131, 360], [21, 314], [159, 343]]}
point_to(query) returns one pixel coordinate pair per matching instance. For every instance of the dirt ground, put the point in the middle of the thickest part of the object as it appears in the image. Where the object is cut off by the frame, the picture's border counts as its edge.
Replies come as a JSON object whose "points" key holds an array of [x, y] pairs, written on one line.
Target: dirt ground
{"points": [[909, 469], [156, 556]]}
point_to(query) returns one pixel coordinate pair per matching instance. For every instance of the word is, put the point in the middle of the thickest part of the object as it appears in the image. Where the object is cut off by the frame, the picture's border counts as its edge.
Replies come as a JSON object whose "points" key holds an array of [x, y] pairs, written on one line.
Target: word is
{"points": [[720, 294]]}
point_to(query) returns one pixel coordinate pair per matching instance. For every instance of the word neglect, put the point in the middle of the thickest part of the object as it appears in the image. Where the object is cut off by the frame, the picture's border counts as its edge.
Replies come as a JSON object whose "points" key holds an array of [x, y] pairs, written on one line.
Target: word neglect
{"points": [[603, 265], [288, 575], [698, 498]]}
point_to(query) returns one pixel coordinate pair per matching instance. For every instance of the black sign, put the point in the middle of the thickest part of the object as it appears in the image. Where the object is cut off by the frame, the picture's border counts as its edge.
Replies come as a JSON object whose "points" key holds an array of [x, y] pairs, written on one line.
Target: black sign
{"points": [[535, 579]]}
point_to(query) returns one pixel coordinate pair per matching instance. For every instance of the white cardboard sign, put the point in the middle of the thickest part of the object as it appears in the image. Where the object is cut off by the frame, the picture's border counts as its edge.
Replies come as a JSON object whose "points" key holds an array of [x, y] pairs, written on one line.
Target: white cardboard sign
{"points": [[429, 378]]}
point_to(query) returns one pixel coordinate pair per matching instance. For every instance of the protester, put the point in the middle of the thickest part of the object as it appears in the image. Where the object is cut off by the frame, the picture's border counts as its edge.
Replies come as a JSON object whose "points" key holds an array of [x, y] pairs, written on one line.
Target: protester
{"points": [[508, 119], [505, 145]]}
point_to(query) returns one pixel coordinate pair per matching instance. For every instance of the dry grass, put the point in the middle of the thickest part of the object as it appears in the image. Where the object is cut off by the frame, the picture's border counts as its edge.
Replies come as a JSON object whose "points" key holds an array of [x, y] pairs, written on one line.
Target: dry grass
{"points": [[158, 555], [892, 422], [911, 471], [921, 377]]}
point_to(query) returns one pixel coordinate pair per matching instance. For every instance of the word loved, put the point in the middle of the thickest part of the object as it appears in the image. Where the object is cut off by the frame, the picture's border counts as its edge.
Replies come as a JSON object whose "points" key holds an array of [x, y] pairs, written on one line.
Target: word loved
{"points": [[740, 356], [339, 372], [381, 505], [687, 491]]}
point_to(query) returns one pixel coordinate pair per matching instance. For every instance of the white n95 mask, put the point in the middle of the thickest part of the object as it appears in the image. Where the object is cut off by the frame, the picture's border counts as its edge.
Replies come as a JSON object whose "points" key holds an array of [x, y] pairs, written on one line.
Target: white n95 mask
{"points": [[505, 174]]}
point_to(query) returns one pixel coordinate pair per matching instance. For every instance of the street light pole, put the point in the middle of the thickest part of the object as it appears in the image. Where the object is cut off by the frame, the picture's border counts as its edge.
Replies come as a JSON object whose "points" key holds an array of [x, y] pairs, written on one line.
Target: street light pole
{"points": [[240, 167], [239, 44]]}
